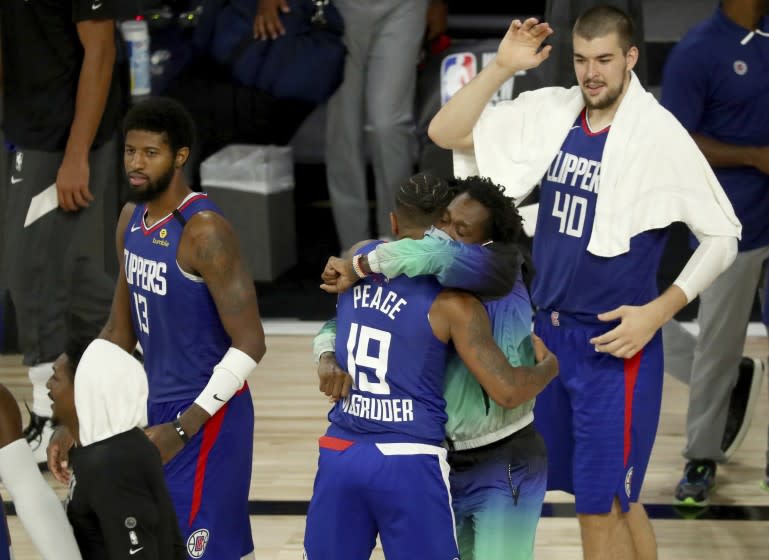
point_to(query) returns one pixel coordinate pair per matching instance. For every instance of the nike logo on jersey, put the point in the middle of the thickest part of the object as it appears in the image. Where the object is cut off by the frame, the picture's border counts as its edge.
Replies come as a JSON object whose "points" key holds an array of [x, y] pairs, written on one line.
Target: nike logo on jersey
{"points": [[135, 228], [573, 127], [216, 398], [96, 5], [15, 180], [133, 551]]}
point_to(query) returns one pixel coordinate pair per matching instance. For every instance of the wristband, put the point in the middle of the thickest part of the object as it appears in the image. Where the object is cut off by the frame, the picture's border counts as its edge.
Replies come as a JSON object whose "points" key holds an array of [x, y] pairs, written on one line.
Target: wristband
{"points": [[180, 430], [228, 377], [357, 268]]}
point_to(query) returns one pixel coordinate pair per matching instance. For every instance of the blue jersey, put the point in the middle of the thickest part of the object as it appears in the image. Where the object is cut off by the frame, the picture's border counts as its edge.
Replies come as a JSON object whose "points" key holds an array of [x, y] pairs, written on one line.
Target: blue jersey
{"points": [[173, 314], [568, 278], [715, 83], [385, 341]]}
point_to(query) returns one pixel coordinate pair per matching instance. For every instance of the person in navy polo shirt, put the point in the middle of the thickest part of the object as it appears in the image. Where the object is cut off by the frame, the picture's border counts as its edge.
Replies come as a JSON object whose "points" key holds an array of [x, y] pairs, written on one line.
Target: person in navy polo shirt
{"points": [[715, 83]]}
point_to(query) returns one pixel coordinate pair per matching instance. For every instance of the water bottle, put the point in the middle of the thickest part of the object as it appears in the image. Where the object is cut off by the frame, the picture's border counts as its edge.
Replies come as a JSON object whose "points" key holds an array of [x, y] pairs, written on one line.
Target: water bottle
{"points": [[137, 38]]}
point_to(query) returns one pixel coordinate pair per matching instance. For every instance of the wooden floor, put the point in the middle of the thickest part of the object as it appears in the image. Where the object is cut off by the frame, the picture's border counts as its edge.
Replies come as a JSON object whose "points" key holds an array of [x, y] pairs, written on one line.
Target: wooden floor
{"points": [[290, 415]]}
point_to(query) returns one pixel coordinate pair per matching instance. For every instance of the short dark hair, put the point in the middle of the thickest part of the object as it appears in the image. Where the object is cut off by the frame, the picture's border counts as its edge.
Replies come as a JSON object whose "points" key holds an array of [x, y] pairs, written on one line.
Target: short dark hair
{"points": [[505, 224], [80, 333], [164, 116], [422, 199], [75, 348], [600, 21]]}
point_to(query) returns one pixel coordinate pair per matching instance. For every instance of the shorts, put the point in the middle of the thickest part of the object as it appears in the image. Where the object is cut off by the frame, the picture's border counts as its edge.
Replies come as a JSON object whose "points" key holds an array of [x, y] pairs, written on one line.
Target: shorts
{"points": [[210, 478], [5, 538], [599, 417], [397, 490]]}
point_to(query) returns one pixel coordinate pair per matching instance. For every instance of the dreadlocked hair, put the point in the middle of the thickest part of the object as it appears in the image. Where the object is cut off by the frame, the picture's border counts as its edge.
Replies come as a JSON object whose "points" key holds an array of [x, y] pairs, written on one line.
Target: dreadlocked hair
{"points": [[505, 224], [422, 199]]}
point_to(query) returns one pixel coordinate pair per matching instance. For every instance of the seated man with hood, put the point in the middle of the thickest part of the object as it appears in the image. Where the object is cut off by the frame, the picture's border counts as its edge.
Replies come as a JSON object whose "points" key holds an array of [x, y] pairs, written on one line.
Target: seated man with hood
{"points": [[118, 505]]}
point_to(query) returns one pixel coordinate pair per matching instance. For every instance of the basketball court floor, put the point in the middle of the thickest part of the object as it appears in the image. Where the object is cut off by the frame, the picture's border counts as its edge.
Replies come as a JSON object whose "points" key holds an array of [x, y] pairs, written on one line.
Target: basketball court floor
{"points": [[291, 414]]}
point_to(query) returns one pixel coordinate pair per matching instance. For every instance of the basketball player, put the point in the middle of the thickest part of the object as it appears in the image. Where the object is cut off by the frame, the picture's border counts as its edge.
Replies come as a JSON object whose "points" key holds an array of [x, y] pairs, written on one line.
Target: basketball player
{"points": [[596, 255], [186, 296], [118, 502], [498, 461], [382, 468], [36, 504]]}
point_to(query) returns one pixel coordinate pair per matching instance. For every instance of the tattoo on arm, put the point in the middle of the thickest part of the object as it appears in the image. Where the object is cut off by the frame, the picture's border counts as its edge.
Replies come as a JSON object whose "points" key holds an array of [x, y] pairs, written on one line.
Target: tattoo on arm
{"points": [[218, 257], [480, 338], [479, 335]]}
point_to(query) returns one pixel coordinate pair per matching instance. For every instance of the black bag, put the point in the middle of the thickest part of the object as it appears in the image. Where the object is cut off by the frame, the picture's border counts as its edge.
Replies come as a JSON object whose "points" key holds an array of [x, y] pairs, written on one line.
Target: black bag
{"points": [[306, 63]]}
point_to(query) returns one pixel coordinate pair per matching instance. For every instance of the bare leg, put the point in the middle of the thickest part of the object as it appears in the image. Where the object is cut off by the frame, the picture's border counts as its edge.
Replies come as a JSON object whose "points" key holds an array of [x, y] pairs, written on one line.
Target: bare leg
{"points": [[642, 531], [607, 536]]}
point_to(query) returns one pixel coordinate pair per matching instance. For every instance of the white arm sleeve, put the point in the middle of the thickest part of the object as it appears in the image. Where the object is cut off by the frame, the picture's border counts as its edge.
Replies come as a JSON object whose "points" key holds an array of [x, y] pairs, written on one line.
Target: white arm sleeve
{"points": [[711, 258], [36, 504], [227, 379]]}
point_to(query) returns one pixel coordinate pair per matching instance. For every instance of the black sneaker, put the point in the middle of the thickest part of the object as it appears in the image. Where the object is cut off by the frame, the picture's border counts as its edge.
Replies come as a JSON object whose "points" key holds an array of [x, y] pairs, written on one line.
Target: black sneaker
{"points": [[741, 404], [699, 479], [765, 482]]}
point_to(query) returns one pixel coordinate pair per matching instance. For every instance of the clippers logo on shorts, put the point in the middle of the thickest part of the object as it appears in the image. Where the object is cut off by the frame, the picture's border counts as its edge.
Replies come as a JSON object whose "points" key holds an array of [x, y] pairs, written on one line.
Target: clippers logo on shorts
{"points": [[196, 544], [19, 161], [629, 481], [740, 67], [554, 319], [456, 71]]}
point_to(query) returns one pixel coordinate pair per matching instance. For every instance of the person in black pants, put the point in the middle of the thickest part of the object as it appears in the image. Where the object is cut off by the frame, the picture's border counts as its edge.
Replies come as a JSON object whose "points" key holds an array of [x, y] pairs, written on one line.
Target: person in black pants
{"points": [[118, 503], [62, 101]]}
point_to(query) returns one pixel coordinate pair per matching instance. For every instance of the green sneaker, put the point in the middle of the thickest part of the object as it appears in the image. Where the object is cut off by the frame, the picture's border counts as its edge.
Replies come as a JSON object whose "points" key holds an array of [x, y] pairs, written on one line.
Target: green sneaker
{"points": [[698, 481]]}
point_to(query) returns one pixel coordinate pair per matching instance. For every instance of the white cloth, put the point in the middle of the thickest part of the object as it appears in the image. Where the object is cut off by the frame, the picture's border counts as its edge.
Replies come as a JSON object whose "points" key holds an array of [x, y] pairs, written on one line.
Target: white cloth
{"points": [[37, 506], [110, 392], [652, 172]]}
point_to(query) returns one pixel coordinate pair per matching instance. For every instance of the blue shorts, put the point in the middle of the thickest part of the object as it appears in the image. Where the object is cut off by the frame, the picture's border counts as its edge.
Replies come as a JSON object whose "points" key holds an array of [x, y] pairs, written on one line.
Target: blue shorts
{"points": [[398, 490], [5, 537], [210, 478], [599, 416]]}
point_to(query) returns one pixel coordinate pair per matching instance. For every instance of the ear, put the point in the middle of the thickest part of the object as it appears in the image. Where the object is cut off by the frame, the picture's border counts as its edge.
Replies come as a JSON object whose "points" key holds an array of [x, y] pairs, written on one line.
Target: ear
{"points": [[182, 154], [631, 58], [394, 224]]}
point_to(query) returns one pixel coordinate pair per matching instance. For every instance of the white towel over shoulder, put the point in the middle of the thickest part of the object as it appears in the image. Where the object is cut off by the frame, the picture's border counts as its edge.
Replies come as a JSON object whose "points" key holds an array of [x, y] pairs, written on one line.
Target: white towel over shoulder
{"points": [[652, 172]]}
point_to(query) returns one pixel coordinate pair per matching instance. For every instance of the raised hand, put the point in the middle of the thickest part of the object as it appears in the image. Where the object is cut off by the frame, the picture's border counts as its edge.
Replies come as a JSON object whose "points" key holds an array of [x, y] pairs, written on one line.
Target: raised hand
{"points": [[521, 47]]}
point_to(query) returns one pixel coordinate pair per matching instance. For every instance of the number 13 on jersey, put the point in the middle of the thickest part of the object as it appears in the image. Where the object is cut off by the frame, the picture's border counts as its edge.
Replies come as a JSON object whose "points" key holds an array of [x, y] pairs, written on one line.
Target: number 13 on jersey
{"points": [[360, 343], [140, 302]]}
